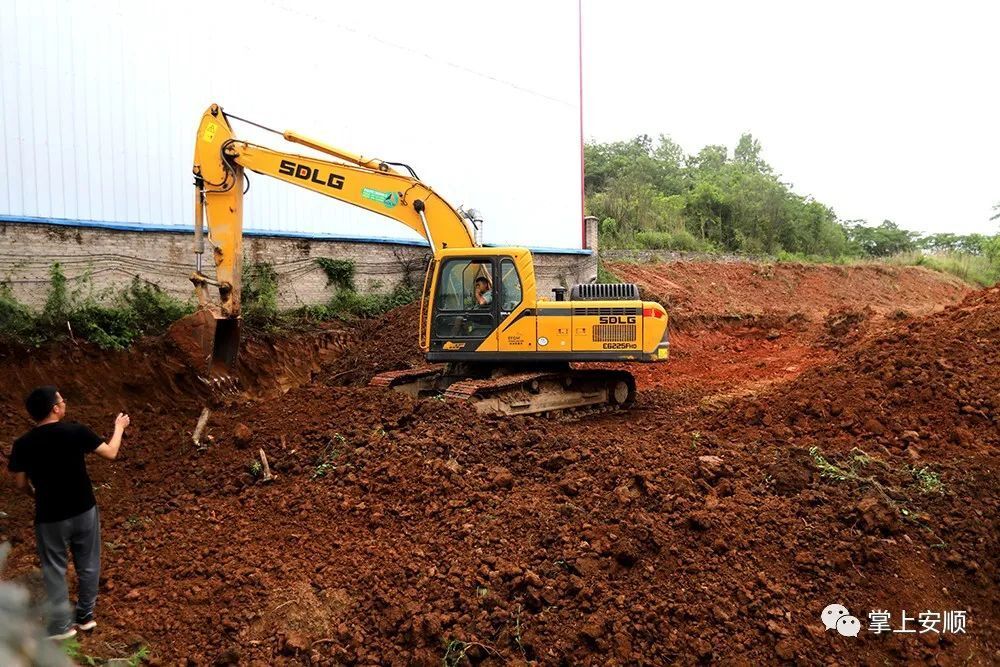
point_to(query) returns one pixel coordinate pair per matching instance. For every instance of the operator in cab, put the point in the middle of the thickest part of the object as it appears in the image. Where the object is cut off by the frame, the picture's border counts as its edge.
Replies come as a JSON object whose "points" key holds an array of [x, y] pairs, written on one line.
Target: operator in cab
{"points": [[483, 292]]}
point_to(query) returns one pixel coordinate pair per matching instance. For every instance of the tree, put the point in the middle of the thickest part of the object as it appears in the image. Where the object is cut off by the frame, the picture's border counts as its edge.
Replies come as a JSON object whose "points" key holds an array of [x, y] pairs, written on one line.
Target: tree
{"points": [[649, 193], [747, 154], [709, 159], [945, 242], [883, 241], [708, 209]]}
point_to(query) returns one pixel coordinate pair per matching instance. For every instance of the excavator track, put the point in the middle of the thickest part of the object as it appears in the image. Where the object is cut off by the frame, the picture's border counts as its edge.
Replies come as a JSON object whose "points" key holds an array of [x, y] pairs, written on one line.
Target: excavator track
{"points": [[415, 382], [565, 392], [555, 392]]}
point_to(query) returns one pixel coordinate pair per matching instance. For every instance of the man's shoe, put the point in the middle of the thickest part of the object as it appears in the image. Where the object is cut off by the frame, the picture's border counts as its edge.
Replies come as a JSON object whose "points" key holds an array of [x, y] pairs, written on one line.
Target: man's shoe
{"points": [[64, 635], [86, 623]]}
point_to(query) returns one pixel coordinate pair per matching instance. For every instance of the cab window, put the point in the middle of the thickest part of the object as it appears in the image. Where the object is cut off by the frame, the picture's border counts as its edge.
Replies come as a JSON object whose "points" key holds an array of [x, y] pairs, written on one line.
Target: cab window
{"points": [[464, 301], [510, 287]]}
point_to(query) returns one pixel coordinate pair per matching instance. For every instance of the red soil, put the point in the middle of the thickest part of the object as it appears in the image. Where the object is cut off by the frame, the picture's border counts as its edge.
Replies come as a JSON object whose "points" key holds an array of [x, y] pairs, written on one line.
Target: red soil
{"points": [[693, 291], [411, 532]]}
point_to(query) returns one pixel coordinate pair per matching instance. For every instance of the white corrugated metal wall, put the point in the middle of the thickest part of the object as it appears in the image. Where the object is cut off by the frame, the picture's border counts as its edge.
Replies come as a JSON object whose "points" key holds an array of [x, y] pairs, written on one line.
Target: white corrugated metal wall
{"points": [[100, 102]]}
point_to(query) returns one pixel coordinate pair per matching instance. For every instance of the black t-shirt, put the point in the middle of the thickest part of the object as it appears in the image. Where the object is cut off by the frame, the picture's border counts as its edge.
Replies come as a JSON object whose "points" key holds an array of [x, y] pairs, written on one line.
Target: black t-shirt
{"points": [[52, 456]]}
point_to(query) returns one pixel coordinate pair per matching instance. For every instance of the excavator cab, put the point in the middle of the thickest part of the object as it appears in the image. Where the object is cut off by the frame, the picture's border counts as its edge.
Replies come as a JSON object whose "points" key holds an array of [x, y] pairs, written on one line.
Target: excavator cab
{"points": [[515, 324]]}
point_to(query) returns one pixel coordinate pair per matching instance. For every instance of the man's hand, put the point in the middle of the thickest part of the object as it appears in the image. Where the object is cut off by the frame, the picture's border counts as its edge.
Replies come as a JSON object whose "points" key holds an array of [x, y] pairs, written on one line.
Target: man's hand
{"points": [[109, 450], [121, 422], [22, 483]]}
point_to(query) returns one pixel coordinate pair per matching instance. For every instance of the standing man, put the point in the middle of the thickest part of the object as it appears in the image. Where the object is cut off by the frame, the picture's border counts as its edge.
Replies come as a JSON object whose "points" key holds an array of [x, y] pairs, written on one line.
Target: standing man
{"points": [[48, 464]]}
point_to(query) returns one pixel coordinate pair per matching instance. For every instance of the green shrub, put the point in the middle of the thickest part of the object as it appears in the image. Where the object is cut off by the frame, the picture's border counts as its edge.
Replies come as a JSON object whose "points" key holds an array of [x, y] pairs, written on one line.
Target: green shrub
{"points": [[155, 310], [349, 302], [17, 322], [259, 296], [144, 309], [312, 313], [110, 328], [141, 309], [339, 272], [57, 303], [680, 240]]}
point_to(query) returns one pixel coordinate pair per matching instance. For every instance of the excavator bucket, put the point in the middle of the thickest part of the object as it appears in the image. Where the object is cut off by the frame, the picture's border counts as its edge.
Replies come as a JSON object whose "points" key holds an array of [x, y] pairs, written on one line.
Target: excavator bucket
{"points": [[225, 345], [209, 342]]}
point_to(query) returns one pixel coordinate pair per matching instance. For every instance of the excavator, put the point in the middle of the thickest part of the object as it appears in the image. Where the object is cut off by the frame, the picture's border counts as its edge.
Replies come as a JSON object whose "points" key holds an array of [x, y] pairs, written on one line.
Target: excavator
{"points": [[486, 334]]}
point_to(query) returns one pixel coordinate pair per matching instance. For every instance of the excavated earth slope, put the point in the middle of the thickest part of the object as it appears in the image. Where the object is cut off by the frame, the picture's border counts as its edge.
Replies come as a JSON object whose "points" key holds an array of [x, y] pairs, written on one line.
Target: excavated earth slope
{"points": [[699, 291], [764, 474]]}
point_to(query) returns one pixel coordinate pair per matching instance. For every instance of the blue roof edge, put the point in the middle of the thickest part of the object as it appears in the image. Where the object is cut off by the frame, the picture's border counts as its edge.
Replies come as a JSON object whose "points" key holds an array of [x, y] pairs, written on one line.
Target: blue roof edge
{"points": [[136, 227]]}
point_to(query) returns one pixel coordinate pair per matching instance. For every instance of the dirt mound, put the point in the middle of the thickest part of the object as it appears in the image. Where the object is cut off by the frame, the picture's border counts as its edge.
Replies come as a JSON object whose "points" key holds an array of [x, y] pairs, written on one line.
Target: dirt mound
{"points": [[898, 439], [703, 291], [741, 358], [929, 386], [845, 326], [386, 343], [702, 525]]}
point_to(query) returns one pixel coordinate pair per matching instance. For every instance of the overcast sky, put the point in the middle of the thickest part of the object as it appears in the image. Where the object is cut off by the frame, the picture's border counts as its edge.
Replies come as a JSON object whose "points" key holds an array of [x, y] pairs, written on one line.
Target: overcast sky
{"points": [[877, 109]]}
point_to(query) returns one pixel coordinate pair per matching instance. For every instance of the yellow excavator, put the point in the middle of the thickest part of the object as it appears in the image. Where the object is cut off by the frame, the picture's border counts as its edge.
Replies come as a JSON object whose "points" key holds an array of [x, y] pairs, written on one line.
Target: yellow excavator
{"points": [[486, 334]]}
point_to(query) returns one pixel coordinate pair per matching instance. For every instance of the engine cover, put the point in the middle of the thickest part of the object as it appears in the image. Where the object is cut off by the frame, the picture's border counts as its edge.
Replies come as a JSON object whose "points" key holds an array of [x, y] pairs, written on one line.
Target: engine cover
{"points": [[605, 292]]}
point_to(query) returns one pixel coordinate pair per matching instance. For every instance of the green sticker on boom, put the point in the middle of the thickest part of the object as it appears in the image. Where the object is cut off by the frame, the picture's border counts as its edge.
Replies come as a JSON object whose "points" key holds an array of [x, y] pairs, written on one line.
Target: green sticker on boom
{"points": [[387, 199]]}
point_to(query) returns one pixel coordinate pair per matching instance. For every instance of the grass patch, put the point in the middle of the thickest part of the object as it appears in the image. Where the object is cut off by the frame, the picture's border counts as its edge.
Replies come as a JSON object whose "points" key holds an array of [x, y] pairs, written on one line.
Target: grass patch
{"points": [[862, 468], [604, 275], [928, 480], [828, 470], [73, 650], [325, 464], [858, 463], [678, 240], [974, 269]]}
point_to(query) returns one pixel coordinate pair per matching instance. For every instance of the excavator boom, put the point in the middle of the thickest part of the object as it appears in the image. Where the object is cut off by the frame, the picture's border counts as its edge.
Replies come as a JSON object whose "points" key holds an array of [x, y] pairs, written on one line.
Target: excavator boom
{"points": [[374, 185]]}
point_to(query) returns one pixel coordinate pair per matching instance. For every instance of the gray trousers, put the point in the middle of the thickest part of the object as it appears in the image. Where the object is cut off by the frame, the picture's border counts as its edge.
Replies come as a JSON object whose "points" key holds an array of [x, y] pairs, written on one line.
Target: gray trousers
{"points": [[82, 534]]}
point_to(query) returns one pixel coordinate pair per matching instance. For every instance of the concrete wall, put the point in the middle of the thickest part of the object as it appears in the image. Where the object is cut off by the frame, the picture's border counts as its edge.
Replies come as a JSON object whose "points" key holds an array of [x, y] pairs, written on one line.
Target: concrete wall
{"points": [[102, 260]]}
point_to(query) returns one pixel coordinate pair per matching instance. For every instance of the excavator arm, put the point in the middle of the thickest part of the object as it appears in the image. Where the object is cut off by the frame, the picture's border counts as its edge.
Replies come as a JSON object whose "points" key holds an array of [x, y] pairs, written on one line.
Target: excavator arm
{"points": [[219, 163]]}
